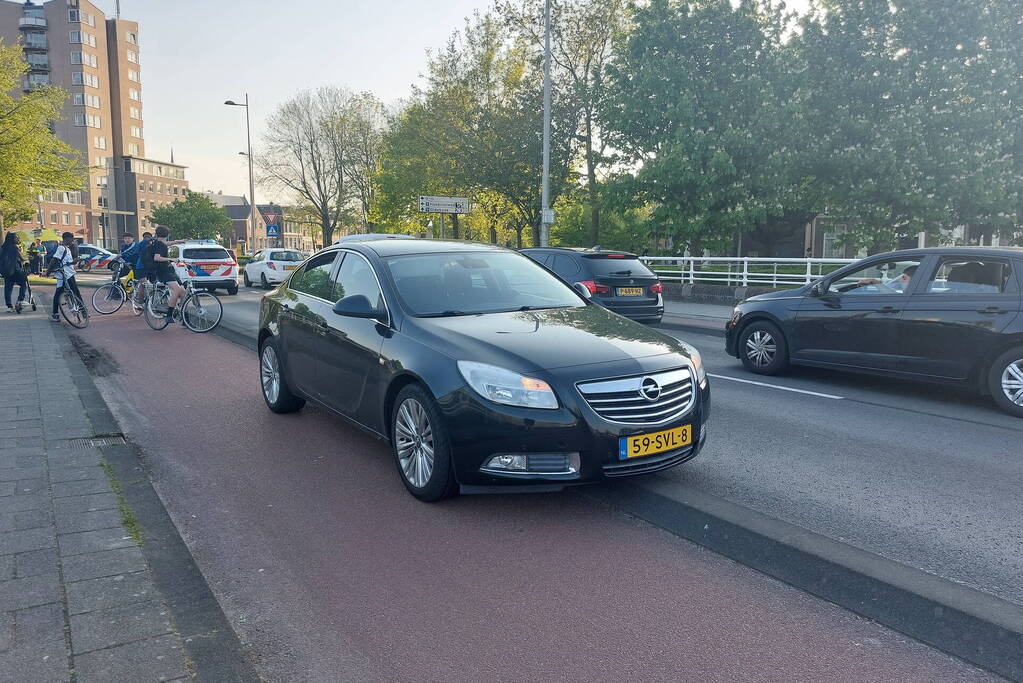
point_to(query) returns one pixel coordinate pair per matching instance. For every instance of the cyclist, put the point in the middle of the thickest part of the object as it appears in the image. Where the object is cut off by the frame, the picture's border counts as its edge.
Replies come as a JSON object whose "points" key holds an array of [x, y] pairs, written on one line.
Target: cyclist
{"points": [[164, 271], [62, 266]]}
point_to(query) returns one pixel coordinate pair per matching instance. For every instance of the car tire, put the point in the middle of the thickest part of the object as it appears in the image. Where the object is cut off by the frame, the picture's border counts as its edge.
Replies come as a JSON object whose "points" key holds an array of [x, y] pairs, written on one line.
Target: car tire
{"points": [[232, 290], [245, 279], [274, 386], [763, 349], [415, 416], [1005, 381], [263, 281]]}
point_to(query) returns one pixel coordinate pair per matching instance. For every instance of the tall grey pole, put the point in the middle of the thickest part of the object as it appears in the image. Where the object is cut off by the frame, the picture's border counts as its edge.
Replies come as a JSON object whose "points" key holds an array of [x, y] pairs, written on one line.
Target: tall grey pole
{"points": [[545, 192], [252, 182]]}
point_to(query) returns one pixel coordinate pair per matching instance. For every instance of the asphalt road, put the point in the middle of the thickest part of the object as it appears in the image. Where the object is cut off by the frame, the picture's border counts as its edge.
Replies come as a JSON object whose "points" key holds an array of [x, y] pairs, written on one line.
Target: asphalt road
{"points": [[331, 571]]}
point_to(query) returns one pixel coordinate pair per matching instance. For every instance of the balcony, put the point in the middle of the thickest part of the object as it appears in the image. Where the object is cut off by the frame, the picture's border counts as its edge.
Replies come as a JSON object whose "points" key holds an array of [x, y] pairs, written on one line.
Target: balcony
{"points": [[26, 23], [36, 44], [39, 67]]}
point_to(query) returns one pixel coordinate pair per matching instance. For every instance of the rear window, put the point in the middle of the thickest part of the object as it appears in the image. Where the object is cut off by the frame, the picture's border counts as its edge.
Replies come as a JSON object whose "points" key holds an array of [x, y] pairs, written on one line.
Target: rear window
{"points": [[207, 254], [285, 256], [618, 267]]}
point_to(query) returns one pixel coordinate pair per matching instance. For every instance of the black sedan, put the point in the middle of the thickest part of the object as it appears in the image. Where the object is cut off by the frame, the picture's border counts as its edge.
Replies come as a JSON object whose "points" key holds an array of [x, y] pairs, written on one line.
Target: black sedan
{"points": [[481, 368], [949, 314]]}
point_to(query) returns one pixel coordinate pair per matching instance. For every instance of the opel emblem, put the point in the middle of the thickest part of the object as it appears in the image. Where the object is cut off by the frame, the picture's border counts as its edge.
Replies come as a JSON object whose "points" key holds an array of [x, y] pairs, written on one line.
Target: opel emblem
{"points": [[650, 389]]}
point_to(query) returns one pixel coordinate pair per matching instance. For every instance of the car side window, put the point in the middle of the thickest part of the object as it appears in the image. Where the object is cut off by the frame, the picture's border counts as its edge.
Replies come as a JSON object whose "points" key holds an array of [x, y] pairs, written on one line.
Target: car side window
{"points": [[256, 257], [964, 275], [172, 252], [314, 279], [565, 266], [877, 278], [355, 276]]}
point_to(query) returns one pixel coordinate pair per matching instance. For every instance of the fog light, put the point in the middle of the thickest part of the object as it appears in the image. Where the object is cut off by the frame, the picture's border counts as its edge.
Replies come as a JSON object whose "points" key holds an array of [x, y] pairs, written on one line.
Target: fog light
{"points": [[514, 463]]}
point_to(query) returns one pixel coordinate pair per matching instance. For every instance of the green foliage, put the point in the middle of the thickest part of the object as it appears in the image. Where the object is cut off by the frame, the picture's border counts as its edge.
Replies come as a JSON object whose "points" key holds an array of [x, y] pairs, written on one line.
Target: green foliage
{"points": [[625, 230], [194, 217], [32, 159]]}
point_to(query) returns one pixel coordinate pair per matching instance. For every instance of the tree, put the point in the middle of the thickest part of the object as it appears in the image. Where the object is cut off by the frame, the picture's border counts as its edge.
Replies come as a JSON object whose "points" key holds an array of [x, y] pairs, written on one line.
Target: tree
{"points": [[583, 34], [194, 217], [697, 105], [305, 151], [364, 120], [32, 158]]}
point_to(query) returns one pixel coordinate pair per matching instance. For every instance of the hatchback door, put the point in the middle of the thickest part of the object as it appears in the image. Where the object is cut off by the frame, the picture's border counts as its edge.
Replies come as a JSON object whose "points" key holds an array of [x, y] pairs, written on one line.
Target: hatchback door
{"points": [[305, 306], [348, 352], [955, 320], [623, 283]]}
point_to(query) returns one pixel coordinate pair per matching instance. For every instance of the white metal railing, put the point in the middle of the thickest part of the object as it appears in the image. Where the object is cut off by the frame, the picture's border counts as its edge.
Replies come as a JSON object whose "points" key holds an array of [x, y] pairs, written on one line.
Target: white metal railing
{"points": [[742, 271], [32, 21]]}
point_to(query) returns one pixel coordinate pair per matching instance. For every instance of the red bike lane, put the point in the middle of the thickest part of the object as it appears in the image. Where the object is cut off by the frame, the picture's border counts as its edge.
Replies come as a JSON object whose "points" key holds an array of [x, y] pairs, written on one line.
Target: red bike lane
{"points": [[331, 571]]}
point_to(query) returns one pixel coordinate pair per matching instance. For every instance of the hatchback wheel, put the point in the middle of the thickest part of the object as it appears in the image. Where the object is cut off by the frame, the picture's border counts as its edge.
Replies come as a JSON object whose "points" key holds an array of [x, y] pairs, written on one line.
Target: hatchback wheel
{"points": [[1005, 381], [422, 450], [762, 348], [276, 392], [246, 280], [263, 281]]}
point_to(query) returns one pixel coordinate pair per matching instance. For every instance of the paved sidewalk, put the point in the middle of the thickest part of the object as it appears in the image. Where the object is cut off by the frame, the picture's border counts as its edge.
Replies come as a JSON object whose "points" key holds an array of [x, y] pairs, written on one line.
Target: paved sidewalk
{"points": [[708, 318], [77, 599]]}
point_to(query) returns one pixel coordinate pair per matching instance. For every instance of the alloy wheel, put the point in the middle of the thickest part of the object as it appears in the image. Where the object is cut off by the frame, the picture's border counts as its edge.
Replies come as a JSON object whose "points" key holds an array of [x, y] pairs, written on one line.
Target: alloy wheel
{"points": [[270, 374], [414, 442], [1012, 381], [761, 348]]}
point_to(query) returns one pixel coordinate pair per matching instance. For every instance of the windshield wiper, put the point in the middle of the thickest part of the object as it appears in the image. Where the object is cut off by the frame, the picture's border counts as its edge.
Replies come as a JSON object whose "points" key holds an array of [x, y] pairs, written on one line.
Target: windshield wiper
{"points": [[539, 308], [448, 314]]}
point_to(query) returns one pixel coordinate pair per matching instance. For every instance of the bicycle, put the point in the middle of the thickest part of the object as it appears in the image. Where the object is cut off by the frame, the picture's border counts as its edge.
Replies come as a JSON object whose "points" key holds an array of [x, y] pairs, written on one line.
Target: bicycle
{"points": [[110, 297], [73, 308], [199, 311]]}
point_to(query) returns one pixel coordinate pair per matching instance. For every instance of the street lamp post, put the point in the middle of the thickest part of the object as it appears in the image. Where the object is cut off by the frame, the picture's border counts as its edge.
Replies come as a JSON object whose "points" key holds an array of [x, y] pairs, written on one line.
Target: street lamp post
{"points": [[545, 191], [252, 182]]}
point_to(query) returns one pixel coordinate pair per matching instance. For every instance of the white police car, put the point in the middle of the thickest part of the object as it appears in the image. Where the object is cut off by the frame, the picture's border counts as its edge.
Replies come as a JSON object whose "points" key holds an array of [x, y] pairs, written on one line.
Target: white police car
{"points": [[206, 263]]}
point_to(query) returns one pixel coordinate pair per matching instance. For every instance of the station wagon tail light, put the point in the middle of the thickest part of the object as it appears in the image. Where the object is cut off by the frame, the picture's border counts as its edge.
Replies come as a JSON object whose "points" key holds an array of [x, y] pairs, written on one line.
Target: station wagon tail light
{"points": [[656, 288], [507, 387], [595, 288], [273, 266]]}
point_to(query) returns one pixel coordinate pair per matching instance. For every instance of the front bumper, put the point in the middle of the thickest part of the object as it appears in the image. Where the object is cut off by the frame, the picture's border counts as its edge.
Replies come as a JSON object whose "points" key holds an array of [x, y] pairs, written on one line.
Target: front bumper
{"points": [[480, 430]]}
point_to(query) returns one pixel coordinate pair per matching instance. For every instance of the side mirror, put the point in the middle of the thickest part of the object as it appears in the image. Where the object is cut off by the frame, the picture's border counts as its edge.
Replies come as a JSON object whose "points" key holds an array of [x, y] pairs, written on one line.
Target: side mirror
{"points": [[819, 288], [581, 290], [358, 306]]}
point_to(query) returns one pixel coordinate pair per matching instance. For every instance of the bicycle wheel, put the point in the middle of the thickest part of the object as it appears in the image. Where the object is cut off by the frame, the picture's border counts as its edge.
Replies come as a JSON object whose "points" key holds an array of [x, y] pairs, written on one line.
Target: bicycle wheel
{"points": [[156, 309], [74, 311], [201, 311], [108, 299]]}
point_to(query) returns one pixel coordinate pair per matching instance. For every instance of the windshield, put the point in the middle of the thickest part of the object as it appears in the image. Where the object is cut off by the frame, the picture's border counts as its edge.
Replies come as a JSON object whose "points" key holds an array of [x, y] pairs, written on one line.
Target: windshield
{"points": [[618, 267], [468, 283], [286, 256], [211, 253]]}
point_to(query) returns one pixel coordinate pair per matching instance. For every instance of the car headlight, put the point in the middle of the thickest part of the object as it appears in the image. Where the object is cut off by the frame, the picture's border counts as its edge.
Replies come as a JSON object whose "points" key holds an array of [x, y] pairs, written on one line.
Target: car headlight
{"points": [[697, 360], [507, 387]]}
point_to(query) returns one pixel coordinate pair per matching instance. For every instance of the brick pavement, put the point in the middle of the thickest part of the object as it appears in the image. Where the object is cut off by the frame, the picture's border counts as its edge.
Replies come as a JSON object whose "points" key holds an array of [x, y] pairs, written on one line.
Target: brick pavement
{"points": [[77, 600]]}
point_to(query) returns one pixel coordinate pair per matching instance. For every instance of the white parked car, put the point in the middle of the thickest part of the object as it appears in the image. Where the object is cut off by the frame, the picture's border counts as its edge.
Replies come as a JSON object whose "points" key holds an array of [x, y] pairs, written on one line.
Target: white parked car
{"points": [[271, 266], [209, 265]]}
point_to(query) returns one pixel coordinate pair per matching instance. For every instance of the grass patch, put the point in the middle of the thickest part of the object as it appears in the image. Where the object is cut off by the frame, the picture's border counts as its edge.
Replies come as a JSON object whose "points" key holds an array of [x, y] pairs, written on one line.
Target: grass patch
{"points": [[131, 525]]}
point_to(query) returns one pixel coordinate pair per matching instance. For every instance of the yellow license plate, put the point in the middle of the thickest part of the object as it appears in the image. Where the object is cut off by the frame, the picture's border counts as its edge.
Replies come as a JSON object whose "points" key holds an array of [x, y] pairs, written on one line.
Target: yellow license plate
{"points": [[630, 291], [658, 442], [289, 267]]}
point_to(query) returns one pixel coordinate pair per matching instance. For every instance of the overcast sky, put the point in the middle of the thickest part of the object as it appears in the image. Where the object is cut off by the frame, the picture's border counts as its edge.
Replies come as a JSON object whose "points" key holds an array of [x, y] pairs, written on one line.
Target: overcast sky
{"points": [[197, 53]]}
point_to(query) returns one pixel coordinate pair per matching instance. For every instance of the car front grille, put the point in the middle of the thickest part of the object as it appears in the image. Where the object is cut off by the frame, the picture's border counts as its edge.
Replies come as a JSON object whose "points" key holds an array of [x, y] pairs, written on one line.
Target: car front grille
{"points": [[641, 399]]}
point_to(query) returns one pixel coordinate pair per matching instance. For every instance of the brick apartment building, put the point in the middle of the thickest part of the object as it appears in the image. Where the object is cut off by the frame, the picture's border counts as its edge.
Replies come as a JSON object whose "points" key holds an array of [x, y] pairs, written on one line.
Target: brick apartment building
{"points": [[72, 44]]}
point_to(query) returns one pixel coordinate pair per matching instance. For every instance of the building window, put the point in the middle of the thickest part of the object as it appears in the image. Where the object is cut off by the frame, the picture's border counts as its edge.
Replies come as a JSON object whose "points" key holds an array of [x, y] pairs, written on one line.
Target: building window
{"points": [[101, 162], [142, 203], [142, 185], [53, 217], [84, 58], [78, 219], [102, 201], [99, 142], [133, 39], [136, 131], [175, 189], [76, 16], [152, 188], [90, 120], [135, 113], [81, 78], [133, 75], [83, 100], [102, 181], [133, 149], [82, 38], [134, 95], [66, 218], [133, 56]]}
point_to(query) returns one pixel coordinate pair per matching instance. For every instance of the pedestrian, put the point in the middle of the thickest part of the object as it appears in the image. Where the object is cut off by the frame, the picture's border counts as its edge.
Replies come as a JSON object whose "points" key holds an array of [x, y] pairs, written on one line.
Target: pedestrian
{"points": [[62, 265], [36, 256], [12, 267]]}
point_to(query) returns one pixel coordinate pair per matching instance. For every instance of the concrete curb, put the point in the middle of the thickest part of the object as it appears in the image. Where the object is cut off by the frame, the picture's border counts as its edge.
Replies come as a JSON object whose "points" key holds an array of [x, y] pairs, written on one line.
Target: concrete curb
{"points": [[690, 325], [974, 626], [207, 634]]}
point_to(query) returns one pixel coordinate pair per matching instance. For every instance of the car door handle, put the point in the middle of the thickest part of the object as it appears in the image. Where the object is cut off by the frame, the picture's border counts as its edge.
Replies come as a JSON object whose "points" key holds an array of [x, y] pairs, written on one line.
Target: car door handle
{"points": [[888, 310]]}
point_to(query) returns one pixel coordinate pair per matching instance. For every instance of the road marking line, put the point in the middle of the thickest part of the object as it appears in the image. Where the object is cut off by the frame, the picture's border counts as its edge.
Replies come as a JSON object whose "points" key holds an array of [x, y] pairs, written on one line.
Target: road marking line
{"points": [[775, 386]]}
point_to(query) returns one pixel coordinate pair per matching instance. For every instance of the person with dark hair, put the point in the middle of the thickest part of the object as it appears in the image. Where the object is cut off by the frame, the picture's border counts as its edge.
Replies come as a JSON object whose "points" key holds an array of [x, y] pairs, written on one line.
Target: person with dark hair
{"points": [[36, 256], [12, 267], [164, 271], [62, 266]]}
